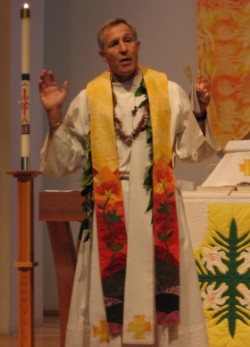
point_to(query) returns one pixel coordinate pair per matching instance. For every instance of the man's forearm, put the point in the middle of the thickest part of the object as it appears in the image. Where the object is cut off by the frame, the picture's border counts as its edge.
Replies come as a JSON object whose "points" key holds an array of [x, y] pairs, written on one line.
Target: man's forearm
{"points": [[55, 118]]}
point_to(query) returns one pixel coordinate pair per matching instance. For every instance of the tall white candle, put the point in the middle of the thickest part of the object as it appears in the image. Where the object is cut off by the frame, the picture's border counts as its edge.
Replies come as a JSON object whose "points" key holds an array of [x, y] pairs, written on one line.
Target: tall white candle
{"points": [[25, 86], [25, 19]]}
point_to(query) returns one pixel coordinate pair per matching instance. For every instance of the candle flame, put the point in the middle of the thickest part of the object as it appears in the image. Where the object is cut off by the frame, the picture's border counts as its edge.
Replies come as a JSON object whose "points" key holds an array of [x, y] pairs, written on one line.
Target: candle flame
{"points": [[26, 5]]}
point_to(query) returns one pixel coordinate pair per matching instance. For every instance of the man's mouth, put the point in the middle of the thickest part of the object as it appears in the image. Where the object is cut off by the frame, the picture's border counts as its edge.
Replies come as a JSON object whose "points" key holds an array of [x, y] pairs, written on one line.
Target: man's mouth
{"points": [[125, 60]]}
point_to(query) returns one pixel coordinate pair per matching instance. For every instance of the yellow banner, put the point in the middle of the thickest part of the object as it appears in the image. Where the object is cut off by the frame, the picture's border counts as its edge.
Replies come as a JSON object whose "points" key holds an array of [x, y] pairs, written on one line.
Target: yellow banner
{"points": [[223, 57]]}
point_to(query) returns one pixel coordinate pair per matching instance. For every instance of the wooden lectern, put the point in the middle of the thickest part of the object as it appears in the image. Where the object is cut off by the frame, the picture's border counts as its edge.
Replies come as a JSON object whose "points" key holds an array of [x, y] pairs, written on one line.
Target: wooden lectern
{"points": [[58, 208]]}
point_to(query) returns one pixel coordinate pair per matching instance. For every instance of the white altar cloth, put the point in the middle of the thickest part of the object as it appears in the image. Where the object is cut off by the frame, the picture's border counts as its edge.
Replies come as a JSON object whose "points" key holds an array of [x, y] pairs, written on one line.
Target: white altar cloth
{"points": [[196, 207]]}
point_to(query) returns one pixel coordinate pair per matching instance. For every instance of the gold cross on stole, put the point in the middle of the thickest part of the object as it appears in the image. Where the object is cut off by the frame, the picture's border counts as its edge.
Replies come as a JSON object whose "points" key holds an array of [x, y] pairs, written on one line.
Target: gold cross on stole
{"points": [[139, 327], [102, 332]]}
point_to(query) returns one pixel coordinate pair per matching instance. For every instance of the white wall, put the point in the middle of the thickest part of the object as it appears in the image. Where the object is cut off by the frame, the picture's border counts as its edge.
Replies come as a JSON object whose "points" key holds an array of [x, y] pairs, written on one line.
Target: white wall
{"points": [[63, 38], [167, 30]]}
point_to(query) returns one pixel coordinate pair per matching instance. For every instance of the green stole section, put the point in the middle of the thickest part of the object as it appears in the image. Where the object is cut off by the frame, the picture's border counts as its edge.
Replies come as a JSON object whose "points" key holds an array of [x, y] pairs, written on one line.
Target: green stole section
{"points": [[109, 206]]}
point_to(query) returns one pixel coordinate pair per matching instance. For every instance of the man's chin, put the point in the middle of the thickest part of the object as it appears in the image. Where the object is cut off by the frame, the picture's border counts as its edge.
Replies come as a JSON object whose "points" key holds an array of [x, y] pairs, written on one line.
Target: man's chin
{"points": [[126, 74], [130, 70]]}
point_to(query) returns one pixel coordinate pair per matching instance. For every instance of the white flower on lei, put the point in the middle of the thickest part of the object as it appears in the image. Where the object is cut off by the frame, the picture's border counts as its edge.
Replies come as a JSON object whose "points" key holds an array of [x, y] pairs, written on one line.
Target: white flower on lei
{"points": [[246, 263], [213, 257], [212, 298], [245, 301]]}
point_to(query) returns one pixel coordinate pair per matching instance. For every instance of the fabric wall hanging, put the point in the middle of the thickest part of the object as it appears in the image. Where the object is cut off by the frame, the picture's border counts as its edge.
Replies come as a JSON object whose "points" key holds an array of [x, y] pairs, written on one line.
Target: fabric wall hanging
{"points": [[223, 59]]}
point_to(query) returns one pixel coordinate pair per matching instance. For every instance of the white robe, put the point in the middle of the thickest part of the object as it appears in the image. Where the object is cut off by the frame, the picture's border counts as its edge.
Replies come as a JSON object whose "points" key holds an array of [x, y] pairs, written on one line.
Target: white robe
{"points": [[64, 154]]}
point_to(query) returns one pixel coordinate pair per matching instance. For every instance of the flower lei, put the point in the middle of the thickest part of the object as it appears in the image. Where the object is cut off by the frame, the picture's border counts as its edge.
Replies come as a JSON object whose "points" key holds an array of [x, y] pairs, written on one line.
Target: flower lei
{"points": [[142, 125]]}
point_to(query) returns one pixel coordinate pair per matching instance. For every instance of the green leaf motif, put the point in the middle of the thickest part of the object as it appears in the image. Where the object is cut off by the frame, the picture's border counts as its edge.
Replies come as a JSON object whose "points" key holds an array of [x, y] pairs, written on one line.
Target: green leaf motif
{"points": [[171, 195], [163, 208], [150, 206], [113, 217], [165, 237], [141, 90], [227, 277], [148, 180], [114, 247], [85, 223], [143, 103]]}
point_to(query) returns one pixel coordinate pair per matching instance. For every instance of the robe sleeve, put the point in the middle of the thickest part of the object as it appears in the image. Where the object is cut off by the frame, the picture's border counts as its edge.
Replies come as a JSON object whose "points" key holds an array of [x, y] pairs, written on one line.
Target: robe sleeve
{"points": [[65, 152], [189, 143]]}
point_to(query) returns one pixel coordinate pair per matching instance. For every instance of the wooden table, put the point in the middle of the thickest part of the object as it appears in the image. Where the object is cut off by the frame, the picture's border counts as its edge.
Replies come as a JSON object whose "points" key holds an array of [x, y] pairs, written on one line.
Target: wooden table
{"points": [[57, 209]]}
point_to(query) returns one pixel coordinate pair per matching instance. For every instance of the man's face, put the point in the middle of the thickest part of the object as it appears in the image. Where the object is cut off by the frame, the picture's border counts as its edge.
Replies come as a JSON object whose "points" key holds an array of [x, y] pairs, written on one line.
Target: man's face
{"points": [[120, 52]]}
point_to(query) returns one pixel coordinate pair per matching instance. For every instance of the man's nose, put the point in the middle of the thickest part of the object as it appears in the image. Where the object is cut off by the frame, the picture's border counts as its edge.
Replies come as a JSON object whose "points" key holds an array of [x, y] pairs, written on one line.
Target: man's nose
{"points": [[123, 47]]}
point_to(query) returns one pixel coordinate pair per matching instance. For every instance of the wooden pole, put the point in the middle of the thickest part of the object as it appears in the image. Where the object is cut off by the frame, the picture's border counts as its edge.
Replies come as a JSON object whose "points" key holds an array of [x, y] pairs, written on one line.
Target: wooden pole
{"points": [[25, 258]]}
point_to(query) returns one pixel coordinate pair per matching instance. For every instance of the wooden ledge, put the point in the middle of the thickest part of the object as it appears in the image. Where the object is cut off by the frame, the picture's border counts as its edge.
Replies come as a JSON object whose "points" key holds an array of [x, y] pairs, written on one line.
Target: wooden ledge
{"points": [[60, 206]]}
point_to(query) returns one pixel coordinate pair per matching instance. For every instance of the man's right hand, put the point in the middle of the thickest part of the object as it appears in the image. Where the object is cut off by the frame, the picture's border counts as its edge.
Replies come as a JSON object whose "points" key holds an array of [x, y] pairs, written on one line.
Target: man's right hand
{"points": [[51, 96]]}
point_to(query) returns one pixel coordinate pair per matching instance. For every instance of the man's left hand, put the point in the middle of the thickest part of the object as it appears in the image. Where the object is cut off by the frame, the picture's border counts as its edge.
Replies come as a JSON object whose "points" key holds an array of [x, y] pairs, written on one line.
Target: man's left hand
{"points": [[203, 96]]}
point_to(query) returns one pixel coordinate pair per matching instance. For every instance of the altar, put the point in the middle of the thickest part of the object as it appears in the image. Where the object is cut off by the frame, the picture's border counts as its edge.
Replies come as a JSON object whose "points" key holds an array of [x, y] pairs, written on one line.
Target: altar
{"points": [[219, 226]]}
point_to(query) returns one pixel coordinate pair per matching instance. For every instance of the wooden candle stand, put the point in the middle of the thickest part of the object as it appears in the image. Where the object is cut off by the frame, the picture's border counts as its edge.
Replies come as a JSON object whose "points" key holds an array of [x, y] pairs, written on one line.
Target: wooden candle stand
{"points": [[25, 258]]}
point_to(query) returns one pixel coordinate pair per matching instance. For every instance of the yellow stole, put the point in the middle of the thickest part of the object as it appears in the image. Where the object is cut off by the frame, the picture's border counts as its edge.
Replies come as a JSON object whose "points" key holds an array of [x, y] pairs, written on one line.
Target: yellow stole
{"points": [[109, 207]]}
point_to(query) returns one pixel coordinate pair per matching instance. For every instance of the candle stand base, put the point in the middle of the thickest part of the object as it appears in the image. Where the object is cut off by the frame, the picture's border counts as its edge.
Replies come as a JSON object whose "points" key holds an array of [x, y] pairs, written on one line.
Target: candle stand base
{"points": [[25, 262], [25, 163]]}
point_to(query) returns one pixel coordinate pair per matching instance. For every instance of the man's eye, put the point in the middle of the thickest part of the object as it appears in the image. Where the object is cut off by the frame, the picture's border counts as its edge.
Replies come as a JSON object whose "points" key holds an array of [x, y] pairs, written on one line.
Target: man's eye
{"points": [[112, 44]]}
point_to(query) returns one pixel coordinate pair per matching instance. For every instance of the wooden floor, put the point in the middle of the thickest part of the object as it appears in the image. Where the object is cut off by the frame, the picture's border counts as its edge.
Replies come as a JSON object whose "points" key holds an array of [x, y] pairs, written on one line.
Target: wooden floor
{"points": [[46, 335]]}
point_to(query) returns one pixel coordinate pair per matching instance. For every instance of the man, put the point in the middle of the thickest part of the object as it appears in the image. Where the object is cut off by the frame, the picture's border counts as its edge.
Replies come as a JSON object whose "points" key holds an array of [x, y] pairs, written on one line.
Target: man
{"points": [[135, 281]]}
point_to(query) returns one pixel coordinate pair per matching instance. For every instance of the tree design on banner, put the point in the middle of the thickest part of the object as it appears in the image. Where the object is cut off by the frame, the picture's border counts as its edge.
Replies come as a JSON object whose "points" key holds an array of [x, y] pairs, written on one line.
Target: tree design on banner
{"points": [[223, 265], [223, 56]]}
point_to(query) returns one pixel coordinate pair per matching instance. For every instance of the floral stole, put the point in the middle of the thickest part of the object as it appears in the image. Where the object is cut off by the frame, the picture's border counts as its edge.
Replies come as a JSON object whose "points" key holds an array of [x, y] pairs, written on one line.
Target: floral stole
{"points": [[109, 207]]}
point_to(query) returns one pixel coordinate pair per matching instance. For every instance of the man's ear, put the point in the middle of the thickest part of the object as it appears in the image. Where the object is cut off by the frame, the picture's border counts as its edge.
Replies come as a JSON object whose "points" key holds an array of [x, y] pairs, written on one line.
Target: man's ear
{"points": [[102, 54]]}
